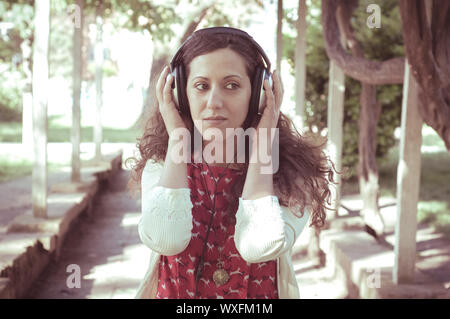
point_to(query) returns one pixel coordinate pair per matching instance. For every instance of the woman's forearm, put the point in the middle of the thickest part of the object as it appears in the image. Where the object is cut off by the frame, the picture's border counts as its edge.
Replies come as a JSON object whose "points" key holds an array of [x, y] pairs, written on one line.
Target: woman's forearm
{"points": [[166, 221], [257, 184], [259, 179], [174, 175]]}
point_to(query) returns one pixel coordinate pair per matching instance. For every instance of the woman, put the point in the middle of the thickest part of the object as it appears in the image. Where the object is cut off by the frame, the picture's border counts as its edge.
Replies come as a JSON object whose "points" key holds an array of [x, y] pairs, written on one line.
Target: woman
{"points": [[219, 228]]}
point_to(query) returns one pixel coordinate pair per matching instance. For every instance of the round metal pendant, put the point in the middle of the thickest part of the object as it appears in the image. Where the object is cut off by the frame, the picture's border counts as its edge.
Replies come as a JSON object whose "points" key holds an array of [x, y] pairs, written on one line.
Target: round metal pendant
{"points": [[220, 277]]}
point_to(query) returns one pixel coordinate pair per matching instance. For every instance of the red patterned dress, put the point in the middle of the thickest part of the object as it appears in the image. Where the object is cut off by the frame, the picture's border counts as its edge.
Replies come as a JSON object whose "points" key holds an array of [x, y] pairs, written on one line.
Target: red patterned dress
{"points": [[177, 273]]}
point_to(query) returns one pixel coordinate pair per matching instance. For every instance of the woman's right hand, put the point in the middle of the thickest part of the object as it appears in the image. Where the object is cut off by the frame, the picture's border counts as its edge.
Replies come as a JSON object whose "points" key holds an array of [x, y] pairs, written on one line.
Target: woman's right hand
{"points": [[167, 107]]}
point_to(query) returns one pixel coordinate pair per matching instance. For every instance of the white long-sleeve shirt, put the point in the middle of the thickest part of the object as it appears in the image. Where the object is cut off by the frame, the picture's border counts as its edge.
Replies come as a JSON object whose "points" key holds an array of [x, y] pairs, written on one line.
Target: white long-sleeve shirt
{"points": [[265, 230]]}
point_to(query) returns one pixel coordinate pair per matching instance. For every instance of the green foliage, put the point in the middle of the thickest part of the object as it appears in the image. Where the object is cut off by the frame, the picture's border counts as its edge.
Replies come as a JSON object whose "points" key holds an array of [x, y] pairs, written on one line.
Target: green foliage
{"points": [[10, 104], [378, 44], [10, 170], [10, 93], [18, 17], [155, 16]]}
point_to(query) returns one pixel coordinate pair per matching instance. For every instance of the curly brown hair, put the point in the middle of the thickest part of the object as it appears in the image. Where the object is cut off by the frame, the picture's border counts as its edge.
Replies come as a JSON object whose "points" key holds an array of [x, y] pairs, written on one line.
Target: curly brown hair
{"points": [[305, 173]]}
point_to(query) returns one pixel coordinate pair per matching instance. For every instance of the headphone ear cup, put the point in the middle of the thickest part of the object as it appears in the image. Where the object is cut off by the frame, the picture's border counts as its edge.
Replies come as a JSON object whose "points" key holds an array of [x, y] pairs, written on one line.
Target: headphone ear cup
{"points": [[266, 75], [175, 87], [182, 96], [257, 87]]}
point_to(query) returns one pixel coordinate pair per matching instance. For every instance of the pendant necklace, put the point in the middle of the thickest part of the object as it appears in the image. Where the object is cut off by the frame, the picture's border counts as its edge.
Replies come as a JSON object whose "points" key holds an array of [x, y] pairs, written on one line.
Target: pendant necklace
{"points": [[220, 275]]}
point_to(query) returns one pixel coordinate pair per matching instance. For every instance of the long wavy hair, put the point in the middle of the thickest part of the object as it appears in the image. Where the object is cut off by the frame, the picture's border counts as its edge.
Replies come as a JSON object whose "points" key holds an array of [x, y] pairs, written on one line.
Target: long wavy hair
{"points": [[305, 173]]}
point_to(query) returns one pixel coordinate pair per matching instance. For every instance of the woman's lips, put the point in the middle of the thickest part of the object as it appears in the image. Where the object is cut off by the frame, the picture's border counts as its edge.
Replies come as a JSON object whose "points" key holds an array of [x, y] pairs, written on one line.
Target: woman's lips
{"points": [[214, 122]]}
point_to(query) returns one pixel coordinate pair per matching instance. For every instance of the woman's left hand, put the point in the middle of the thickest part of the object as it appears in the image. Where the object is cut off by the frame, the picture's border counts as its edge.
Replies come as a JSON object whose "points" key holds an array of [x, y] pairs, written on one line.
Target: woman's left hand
{"points": [[264, 161], [271, 113]]}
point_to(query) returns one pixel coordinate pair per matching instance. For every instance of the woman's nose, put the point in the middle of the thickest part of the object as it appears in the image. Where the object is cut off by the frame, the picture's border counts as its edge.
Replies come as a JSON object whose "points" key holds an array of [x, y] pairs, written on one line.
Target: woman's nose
{"points": [[215, 99]]}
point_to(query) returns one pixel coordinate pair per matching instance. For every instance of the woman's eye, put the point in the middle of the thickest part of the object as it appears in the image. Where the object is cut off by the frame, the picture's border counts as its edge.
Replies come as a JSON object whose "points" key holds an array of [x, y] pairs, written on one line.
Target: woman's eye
{"points": [[201, 86], [232, 86], [204, 86]]}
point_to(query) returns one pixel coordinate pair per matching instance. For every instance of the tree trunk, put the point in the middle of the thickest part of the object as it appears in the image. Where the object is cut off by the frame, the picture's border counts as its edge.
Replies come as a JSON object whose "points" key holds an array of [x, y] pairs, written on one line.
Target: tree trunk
{"points": [[427, 48], [98, 134], [27, 96], [300, 61], [76, 112], [279, 35], [40, 98], [367, 138], [367, 169]]}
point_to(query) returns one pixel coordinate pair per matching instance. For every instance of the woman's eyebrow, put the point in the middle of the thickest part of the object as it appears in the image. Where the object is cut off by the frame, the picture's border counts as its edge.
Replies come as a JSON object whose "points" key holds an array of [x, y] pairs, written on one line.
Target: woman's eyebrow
{"points": [[231, 76], [226, 77]]}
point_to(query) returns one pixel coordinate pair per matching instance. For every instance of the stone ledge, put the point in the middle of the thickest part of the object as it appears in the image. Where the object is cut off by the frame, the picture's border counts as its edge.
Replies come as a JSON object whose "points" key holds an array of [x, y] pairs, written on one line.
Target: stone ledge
{"points": [[59, 207], [365, 267], [29, 243]]}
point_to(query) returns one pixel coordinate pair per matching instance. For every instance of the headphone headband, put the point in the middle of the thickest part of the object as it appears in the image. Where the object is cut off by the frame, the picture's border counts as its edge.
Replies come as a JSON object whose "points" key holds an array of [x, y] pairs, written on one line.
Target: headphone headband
{"points": [[222, 30]]}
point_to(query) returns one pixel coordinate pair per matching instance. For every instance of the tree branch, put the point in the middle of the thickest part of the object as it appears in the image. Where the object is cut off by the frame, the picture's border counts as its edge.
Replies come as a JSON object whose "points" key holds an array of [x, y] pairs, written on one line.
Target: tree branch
{"points": [[196, 21], [371, 72], [429, 61]]}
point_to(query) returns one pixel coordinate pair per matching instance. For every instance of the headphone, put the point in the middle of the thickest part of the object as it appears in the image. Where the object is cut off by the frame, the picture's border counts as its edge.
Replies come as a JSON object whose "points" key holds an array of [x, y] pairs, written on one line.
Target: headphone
{"points": [[178, 70]]}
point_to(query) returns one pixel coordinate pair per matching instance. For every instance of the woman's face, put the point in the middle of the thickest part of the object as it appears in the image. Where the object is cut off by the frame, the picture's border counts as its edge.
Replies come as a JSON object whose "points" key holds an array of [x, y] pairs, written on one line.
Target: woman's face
{"points": [[218, 86]]}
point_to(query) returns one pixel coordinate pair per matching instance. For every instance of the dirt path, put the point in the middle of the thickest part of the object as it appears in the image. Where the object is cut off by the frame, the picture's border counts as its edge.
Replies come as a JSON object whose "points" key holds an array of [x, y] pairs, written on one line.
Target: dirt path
{"points": [[105, 246]]}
